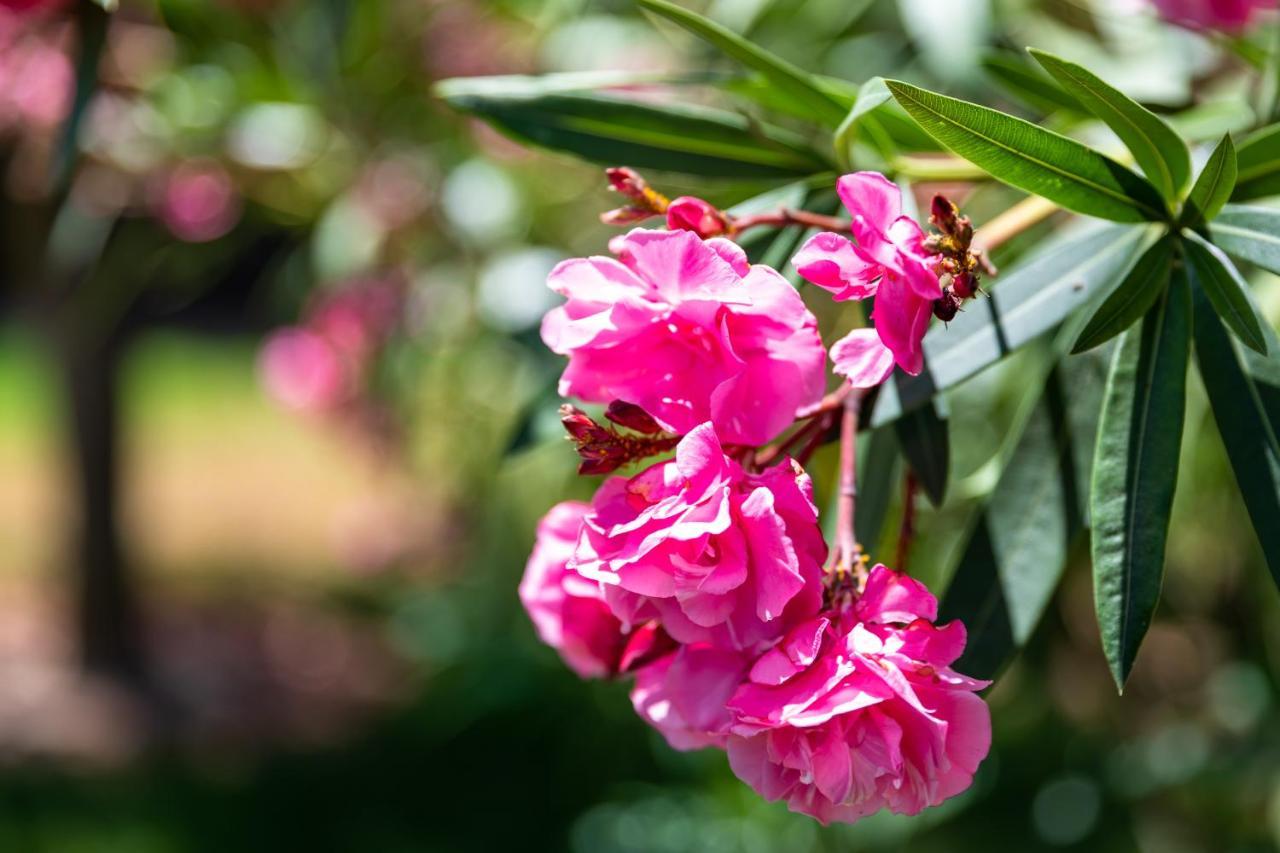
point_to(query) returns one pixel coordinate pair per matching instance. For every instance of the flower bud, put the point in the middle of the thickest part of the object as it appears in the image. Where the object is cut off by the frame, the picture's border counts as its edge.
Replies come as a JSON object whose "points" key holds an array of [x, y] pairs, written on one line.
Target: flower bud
{"points": [[946, 308], [632, 417], [693, 214], [627, 182], [964, 285], [942, 214], [626, 215]]}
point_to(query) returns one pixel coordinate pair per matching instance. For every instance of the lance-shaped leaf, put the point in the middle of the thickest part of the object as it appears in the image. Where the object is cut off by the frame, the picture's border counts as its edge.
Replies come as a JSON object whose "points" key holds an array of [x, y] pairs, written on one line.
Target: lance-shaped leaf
{"points": [[1160, 152], [611, 130], [1024, 82], [926, 444], [877, 479], [872, 94], [1250, 233], [1213, 186], [1247, 411], [1027, 156], [1258, 160], [1213, 272], [787, 78], [1025, 303], [1135, 471], [1131, 300]]}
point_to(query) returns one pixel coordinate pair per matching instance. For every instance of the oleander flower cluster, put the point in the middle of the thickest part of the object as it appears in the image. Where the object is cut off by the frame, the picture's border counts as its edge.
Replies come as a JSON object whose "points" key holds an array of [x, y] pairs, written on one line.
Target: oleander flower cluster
{"points": [[705, 576]]}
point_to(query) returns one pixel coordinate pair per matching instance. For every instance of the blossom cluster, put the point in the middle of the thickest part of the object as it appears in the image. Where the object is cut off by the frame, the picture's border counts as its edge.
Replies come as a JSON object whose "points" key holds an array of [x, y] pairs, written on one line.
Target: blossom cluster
{"points": [[706, 576]]}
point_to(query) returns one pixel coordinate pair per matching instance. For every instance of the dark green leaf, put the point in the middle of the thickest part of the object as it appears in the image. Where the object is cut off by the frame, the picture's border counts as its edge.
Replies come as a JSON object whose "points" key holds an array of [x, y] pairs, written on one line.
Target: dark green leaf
{"points": [[1031, 158], [1025, 303], [1247, 425], [1160, 152], [1213, 272], [1258, 160], [926, 444], [787, 78], [1028, 84], [610, 130], [1213, 186], [92, 23], [877, 480], [1135, 472], [1130, 301], [1251, 233]]}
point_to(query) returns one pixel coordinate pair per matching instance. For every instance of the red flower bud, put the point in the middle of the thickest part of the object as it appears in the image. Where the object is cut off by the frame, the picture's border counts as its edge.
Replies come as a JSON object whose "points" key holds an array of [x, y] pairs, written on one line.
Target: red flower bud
{"points": [[627, 181], [626, 215], [946, 308], [964, 285], [632, 417], [693, 214]]}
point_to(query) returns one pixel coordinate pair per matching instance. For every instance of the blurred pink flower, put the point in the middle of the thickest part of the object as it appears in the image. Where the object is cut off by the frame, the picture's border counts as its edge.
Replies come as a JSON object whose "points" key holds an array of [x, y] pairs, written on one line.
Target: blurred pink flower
{"points": [[199, 201], [690, 332], [858, 709], [888, 261], [36, 77], [568, 610], [301, 370], [715, 554], [1228, 15]]}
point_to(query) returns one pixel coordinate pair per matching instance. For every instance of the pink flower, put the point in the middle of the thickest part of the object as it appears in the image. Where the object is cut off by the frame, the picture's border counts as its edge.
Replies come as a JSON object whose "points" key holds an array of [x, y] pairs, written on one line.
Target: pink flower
{"points": [[858, 710], [690, 332], [568, 610], [715, 554], [301, 370], [683, 694], [1227, 15], [889, 262], [199, 203], [687, 213]]}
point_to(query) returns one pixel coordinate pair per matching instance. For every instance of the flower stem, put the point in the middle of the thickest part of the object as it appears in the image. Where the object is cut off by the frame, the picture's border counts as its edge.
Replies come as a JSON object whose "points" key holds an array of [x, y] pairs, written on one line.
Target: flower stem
{"points": [[786, 216], [848, 554]]}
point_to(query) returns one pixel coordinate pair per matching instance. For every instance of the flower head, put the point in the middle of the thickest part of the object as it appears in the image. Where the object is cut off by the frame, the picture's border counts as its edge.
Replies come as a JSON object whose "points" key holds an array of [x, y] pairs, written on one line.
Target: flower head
{"points": [[688, 331], [858, 709], [1231, 16], [889, 261], [715, 554], [683, 694]]}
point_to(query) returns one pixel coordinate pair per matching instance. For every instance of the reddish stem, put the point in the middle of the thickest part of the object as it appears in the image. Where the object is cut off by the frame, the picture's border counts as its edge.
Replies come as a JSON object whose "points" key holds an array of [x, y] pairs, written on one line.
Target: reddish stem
{"points": [[847, 550], [786, 216]]}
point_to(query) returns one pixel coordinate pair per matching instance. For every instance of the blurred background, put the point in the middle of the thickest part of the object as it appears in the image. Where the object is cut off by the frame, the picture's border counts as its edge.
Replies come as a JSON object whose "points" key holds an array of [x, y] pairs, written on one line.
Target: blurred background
{"points": [[276, 427]]}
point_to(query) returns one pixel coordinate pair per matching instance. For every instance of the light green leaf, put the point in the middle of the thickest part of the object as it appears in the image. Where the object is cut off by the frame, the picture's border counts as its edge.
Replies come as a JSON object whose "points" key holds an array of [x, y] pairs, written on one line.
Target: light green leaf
{"points": [[872, 94], [610, 130], [1132, 299], [1135, 473], [1160, 152], [1213, 272], [1214, 185], [1247, 425], [1251, 233], [793, 81], [1027, 84], [1031, 158], [1258, 160]]}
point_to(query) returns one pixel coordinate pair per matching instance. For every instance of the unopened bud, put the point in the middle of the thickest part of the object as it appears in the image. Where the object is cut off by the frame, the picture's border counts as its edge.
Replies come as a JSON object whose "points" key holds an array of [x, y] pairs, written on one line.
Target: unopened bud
{"points": [[942, 213], [964, 285], [626, 181], [626, 215], [632, 417], [946, 308], [688, 213]]}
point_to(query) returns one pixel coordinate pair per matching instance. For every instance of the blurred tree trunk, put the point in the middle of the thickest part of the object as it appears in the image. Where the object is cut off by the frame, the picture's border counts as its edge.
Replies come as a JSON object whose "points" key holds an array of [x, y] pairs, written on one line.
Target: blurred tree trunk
{"points": [[107, 613]]}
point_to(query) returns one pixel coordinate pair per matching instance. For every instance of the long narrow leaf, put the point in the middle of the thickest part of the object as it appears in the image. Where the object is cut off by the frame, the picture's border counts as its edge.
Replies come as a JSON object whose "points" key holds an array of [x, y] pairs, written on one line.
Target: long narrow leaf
{"points": [[1258, 158], [1160, 152], [1131, 300], [1214, 273], [1031, 158], [1248, 428], [1025, 303], [789, 79], [926, 444], [1251, 233], [610, 130], [1029, 85], [1135, 473], [1213, 186]]}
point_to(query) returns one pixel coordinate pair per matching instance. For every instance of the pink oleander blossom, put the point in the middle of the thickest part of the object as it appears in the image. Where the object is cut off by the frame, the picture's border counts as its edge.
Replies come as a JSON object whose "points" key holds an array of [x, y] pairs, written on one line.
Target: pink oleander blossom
{"points": [[683, 694], [199, 202], [1231, 16], [690, 332], [715, 554], [858, 709], [889, 262], [569, 611], [688, 213]]}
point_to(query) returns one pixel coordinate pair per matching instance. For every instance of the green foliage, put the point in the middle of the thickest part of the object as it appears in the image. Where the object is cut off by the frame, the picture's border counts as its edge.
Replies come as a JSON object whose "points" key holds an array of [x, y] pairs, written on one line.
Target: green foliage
{"points": [[1258, 158], [1212, 272], [1136, 294], [1213, 185], [1135, 471], [1249, 233]]}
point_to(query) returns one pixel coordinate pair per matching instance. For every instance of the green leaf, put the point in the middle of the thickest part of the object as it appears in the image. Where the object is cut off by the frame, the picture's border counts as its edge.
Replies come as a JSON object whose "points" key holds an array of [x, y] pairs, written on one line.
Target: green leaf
{"points": [[872, 94], [1027, 84], [1031, 158], [610, 130], [1214, 273], [1258, 160], [1247, 426], [92, 24], [1250, 233], [1160, 152], [926, 444], [1214, 185], [1025, 302], [1130, 301], [1135, 472], [877, 480], [794, 82]]}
